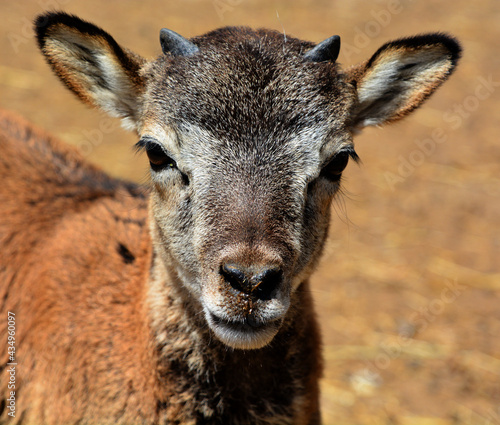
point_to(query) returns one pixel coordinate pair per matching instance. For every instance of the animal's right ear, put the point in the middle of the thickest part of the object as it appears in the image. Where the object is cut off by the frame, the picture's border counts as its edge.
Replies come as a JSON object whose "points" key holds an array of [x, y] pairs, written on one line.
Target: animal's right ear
{"points": [[93, 66]]}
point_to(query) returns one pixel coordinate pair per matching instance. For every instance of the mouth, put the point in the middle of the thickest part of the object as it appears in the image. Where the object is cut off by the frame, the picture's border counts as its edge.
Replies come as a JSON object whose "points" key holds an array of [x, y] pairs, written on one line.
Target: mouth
{"points": [[245, 334]]}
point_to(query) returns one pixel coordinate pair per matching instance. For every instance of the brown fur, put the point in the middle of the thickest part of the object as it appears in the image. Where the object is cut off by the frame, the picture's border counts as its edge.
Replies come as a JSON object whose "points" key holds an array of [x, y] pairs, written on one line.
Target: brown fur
{"points": [[84, 344], [194, 307], [61, 257]]}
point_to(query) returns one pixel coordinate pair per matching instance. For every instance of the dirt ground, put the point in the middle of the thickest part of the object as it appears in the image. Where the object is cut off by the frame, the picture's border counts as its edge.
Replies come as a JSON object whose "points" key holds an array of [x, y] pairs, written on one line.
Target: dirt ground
{"points": [[408, 292]]}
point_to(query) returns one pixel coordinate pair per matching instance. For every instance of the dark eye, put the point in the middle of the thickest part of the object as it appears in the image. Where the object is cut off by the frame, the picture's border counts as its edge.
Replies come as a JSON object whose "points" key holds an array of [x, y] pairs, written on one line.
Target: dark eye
{"points": [[158, 159], [333, 170]]}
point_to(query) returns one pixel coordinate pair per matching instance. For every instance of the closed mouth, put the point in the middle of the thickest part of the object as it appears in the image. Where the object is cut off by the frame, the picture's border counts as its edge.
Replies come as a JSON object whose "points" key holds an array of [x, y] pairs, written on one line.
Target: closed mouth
{"points": [[248, 333], [249, 324]]}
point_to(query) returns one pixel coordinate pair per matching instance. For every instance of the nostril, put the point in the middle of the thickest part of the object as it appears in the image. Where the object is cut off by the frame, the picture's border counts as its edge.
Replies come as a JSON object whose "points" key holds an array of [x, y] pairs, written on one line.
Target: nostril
{"points": [[235, 277], [266, 283], [257, 281]]}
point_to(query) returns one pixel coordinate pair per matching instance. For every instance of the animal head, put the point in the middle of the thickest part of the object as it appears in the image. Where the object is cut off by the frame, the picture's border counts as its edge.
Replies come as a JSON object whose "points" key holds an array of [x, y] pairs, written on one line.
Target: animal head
{"points": [[247, 134]]}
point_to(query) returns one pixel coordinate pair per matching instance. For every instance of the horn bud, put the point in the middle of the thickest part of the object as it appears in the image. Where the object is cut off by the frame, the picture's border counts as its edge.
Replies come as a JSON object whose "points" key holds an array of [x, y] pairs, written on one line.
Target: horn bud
{"points": [[327, 50], [176, 44]]}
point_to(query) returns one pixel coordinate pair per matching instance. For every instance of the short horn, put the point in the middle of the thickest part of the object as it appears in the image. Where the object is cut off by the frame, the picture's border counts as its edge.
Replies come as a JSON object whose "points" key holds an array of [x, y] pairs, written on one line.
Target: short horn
{"points": [[176, 44], [327, 50]]}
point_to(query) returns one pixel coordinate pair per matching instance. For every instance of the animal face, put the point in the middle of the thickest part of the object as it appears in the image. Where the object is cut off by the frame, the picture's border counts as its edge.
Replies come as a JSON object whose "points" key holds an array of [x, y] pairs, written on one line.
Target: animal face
{"points": [[247, 134], [246, 155]]}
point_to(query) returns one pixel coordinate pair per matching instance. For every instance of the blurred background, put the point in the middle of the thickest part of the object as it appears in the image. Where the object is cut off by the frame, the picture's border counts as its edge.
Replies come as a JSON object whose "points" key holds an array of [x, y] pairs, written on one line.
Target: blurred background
{"points": [[408, 292]]}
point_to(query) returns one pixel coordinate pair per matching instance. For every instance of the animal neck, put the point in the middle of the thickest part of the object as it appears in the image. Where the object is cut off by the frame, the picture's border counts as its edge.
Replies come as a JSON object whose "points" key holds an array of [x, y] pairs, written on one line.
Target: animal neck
{"points": [[192, 361]]}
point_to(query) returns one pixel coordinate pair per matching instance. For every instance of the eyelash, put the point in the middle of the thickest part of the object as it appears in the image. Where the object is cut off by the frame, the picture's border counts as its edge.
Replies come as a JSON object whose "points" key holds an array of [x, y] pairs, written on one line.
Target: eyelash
{"points": [[158, 158], [332, 171]]}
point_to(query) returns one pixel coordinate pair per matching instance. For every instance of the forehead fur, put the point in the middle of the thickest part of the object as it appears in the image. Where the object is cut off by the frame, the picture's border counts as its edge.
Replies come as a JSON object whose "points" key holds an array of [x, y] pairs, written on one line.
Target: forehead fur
{"points": [[248, 84]]}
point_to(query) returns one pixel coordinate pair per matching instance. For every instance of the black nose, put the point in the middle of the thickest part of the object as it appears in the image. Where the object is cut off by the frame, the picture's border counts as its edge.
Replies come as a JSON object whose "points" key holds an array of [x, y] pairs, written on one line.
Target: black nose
{"points": [[260, 282]]}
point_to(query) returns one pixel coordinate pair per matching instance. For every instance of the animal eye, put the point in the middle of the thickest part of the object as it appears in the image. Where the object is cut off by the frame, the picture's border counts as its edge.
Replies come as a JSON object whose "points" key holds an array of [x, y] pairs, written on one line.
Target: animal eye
{"points": [[158, 159], [333, 170]]}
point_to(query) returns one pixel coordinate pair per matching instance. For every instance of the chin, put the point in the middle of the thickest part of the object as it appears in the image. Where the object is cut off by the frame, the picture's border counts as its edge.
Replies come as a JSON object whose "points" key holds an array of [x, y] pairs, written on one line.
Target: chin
{"points": [[243, 334]]}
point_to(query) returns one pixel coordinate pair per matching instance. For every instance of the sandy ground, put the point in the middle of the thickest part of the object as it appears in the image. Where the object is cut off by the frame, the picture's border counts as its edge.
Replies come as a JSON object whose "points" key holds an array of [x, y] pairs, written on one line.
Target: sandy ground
{"points": [[408, 291]]}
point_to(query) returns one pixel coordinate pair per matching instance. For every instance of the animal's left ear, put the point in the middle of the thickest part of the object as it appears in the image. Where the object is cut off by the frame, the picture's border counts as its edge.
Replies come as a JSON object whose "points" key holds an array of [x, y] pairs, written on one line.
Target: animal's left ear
{"points": [[400, 76]]}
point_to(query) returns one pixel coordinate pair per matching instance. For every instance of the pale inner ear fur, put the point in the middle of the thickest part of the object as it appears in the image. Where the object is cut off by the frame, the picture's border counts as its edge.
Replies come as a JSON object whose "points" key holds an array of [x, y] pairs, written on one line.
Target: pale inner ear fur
{"points": [[89, 66], [397, 80]]}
